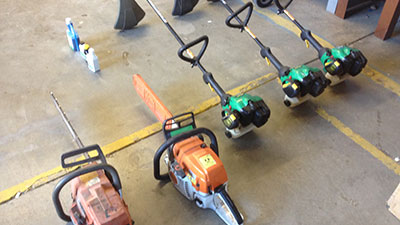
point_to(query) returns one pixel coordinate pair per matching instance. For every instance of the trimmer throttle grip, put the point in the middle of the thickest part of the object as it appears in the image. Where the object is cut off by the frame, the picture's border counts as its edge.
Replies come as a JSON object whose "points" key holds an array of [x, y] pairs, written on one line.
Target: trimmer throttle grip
{"points": [[197, 58], [235, 14], [176, 139], [80, 151], [116, 182]]}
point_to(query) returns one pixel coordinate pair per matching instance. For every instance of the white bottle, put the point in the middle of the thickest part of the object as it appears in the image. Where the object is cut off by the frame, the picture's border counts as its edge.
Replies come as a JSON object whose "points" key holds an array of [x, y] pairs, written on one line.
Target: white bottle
{"points": [[92, 61]]}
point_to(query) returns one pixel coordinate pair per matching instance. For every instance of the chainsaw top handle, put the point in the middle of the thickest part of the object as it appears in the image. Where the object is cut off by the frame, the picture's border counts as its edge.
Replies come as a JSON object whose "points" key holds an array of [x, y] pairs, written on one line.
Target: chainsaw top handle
{"points": [[194, 60], [116, 182], [80, 151], [177, 138], [242, 24]]}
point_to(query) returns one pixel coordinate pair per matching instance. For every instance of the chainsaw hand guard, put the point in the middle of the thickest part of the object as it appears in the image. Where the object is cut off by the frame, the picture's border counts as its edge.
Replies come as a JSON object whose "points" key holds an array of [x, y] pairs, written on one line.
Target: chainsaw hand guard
{"points": [[178, 124], [87, 149], [175, 139], [116, 182], [235, 14], [194, 59]]}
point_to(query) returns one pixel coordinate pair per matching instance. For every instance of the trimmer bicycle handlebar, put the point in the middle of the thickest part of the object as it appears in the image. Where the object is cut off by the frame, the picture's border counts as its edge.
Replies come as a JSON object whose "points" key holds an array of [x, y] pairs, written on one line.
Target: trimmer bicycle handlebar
{"points": [[242, 24], [185, 48], [280, 7]]}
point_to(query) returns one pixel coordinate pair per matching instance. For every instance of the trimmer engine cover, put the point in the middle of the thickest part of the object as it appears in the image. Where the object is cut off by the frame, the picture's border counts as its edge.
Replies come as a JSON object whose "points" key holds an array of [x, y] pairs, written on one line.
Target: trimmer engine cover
{"points": [[304, 80], [342, 60], [244, 110]]}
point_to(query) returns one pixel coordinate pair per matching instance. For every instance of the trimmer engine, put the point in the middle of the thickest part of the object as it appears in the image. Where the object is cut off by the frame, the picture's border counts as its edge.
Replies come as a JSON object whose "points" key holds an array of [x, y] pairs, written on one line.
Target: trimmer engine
{"points": [[342, 61], [302, 82], [243, 113], [339, 63]]}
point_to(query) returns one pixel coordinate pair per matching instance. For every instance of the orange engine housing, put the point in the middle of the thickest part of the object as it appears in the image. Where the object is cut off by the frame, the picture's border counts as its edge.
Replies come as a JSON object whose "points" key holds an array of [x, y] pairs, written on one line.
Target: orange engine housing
{"points": [[100, 201], [199, 162]]}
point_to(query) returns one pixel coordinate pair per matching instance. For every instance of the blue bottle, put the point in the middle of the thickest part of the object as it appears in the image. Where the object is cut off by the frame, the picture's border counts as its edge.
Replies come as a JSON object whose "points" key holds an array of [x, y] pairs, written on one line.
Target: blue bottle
{"points": [[73, 38]]}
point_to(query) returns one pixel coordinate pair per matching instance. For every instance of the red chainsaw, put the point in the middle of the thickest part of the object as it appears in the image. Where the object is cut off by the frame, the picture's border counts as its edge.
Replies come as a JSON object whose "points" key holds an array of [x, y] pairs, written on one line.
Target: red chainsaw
{"points": [[96, 189]]}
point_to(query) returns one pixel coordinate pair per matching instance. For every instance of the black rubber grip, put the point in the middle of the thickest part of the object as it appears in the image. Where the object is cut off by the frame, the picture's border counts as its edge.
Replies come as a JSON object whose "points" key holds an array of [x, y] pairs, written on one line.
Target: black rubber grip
{"points": [[235, 14], [185, 47]]}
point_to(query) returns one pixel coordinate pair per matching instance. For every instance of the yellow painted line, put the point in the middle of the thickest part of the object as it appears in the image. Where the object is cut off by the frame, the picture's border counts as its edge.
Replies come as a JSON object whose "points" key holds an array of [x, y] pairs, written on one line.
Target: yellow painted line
{"points": [[367, 146], [375, 75], [124, 142], [381, 79]]}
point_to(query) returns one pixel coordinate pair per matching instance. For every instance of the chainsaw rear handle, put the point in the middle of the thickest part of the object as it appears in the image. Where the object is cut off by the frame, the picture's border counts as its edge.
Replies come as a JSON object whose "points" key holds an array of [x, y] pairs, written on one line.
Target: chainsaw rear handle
{"points": [[280, 7], [197, 58], [80, 151], [116, 182], [176, 139], [242, 24]]}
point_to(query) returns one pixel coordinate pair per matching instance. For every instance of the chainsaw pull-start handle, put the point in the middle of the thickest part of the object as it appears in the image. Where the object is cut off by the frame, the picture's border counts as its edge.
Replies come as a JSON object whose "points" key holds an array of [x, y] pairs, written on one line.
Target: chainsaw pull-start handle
{"points": [[80, 151], [280, 7], [116, 182], [176, 139], [195, 59], [242, 24]]}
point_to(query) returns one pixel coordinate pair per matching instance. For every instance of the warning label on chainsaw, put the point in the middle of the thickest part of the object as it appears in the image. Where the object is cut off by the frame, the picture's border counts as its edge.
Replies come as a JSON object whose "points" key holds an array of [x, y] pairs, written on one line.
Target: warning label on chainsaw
{"points": [[207, 161]]}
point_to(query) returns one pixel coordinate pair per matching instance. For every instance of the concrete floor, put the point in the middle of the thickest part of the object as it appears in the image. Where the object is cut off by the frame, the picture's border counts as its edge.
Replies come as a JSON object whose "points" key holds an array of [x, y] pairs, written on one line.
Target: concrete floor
{"points": [[297, 169]]}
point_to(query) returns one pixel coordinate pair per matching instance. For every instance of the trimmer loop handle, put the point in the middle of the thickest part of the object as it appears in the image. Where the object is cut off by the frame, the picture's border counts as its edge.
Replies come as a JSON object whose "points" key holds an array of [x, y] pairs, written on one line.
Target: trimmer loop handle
{"points": [[241, 26], [116, 182], [176, 139], [197, 58], [280, 7]]}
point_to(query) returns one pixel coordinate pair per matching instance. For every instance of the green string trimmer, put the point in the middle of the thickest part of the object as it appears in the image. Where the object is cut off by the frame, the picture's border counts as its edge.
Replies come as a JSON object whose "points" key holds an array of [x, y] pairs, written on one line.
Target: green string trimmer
{"points": [[240, 114], [338, 62], [299, 83]]}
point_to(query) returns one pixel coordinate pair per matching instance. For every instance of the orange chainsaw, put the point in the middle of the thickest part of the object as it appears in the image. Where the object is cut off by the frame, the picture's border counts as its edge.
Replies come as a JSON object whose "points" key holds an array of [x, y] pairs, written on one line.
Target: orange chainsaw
{"points": [[96, 187], [194, 168]]}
